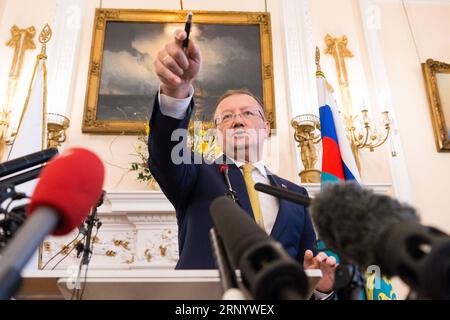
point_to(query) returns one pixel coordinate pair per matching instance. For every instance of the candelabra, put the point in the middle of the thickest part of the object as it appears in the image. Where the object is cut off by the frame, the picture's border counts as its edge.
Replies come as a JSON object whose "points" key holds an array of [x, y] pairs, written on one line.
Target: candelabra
{"points": [[367, 134]]}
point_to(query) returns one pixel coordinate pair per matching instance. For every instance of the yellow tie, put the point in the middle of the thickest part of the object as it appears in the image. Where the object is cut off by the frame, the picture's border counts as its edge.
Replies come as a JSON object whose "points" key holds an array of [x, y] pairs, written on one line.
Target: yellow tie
{"points": [[252, 194]]}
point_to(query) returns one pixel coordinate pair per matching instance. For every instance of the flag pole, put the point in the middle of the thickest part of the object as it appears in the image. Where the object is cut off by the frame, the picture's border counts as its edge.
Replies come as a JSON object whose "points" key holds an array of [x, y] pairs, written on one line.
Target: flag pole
{"points": [[319, 72], [353, 146]]}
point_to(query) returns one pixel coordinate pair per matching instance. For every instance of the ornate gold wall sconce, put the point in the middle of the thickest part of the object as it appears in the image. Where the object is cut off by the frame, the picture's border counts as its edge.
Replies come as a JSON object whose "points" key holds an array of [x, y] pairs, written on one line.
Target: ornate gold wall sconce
{"points": [[365, 133], [307, 134], [57, 126]]}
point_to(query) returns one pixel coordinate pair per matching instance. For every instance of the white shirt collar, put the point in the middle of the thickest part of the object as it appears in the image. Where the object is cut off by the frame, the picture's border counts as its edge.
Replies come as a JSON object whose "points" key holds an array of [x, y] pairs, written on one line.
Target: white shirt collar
{"points": [[259, 165]]}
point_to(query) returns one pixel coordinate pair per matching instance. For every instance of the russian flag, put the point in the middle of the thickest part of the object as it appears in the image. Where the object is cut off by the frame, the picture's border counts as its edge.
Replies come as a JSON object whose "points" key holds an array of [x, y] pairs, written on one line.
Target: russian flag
{"points": [[338, 162]]}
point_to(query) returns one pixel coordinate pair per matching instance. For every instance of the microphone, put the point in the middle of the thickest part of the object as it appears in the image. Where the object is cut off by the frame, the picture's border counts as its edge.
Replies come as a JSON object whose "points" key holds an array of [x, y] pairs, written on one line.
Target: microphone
{"points": [[68, 187], [28, 161], [266, 269], [370, 229], [348, 280], [284, 194], [230, 192]]}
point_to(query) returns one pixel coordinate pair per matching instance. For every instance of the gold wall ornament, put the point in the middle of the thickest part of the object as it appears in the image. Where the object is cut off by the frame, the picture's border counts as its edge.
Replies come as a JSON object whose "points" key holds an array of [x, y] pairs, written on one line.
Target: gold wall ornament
{"points": [[57, 126], [361, 135], [162, 250], [307, 134], [337, 47], [148, 255], [21, 41], [44, 37], [110, 253], [122, 243], [95, 122], [437, 82]]}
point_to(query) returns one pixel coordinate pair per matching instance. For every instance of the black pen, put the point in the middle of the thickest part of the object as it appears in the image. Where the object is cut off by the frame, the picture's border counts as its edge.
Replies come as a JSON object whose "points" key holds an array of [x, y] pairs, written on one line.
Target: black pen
{"points": [[187, 28]]}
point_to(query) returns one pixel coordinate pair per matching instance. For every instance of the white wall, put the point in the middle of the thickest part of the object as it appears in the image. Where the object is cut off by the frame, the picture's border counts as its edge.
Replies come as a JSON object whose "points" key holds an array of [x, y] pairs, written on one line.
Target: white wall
{"points": [[2, 8], [428, 169]]}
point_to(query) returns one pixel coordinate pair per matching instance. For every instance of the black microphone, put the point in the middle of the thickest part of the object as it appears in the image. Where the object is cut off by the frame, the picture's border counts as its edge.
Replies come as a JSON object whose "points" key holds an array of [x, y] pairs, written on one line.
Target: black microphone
{"points": [[28, 161], [283, 194], [370, 229], [267, 270], [20, 178]]}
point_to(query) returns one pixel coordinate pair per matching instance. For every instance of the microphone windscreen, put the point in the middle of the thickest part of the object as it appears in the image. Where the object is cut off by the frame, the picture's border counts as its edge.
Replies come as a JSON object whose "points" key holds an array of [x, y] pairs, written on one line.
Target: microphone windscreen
{"points": [[351, 220], [71, 184], [236, 228]]}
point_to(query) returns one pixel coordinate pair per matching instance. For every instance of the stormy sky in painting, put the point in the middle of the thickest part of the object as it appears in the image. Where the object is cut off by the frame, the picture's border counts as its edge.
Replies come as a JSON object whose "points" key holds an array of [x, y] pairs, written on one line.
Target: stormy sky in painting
{"points": [[230, 59]]}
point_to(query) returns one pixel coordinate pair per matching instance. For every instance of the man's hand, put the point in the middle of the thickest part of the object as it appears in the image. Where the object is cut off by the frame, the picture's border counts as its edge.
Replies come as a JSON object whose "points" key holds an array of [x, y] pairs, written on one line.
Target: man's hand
{"points": [[177, 68], [326, 264]]}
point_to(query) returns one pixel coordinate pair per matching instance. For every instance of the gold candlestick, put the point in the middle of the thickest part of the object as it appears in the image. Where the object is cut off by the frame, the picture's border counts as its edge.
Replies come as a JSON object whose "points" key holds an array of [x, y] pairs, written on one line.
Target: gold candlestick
{"points": [[307, 134], [57, 126]]}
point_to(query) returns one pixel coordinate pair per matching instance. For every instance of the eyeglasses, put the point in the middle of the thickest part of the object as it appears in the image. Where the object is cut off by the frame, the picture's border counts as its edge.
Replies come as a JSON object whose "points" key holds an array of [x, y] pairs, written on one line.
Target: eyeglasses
{"points": [[228, 117]]}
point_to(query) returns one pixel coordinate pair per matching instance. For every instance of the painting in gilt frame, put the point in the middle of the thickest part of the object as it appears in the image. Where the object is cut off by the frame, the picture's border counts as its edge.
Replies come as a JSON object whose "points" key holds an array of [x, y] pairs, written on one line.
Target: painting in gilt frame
{"points": [[236, 53], [437, 81]]}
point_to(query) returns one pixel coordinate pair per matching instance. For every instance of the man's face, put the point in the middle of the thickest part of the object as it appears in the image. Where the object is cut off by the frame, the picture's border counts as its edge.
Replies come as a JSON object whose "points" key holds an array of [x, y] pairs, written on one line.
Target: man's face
{"points": [[241, 127]]}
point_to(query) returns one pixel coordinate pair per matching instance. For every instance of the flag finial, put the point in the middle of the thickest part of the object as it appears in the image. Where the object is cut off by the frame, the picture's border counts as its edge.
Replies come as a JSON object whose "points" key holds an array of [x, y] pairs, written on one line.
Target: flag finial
{"points": [[319, 72], [44, 38]]}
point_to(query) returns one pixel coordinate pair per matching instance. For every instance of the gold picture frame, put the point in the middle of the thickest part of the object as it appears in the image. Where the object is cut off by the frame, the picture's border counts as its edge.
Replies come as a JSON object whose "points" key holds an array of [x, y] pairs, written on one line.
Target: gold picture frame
{"points": [[437, 82], [92, 119]]}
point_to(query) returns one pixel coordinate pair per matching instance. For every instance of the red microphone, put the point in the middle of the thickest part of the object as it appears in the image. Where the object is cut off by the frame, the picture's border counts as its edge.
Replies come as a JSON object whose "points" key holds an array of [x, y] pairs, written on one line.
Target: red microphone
{"points": [[223, 168], [69, 186]]}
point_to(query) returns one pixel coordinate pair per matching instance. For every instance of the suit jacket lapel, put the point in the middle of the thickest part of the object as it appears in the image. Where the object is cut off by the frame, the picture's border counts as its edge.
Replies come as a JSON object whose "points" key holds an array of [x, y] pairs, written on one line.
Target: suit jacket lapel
{"points": [[281, 219]]}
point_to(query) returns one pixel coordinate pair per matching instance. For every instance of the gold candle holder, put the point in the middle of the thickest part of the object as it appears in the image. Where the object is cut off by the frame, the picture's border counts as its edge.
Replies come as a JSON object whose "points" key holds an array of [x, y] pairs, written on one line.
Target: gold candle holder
{"points": [[307, 134], [57, 126]]}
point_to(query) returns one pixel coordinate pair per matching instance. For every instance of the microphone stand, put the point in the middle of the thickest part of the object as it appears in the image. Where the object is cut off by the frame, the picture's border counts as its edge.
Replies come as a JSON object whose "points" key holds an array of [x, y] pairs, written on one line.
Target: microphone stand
{"points": [[349, 282], [13, 218], [226, 271], [230, 192], [227, 275], [91, 221]]}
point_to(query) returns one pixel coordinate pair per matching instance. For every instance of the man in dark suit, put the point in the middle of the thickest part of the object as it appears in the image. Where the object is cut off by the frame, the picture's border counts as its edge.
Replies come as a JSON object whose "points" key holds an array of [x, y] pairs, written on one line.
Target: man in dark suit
{"points": [[192, 185]]}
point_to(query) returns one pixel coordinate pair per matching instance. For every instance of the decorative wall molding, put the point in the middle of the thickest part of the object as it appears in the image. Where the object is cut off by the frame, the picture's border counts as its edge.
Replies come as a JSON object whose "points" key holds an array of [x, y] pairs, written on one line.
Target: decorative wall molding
{"points": [[139, 231], [63, 55], [299, 53]]}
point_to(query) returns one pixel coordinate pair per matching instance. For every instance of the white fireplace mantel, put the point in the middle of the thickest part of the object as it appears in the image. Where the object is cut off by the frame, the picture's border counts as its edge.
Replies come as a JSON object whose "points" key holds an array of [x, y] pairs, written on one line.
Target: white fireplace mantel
{"points": [[139, 231], [151, 202]]}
